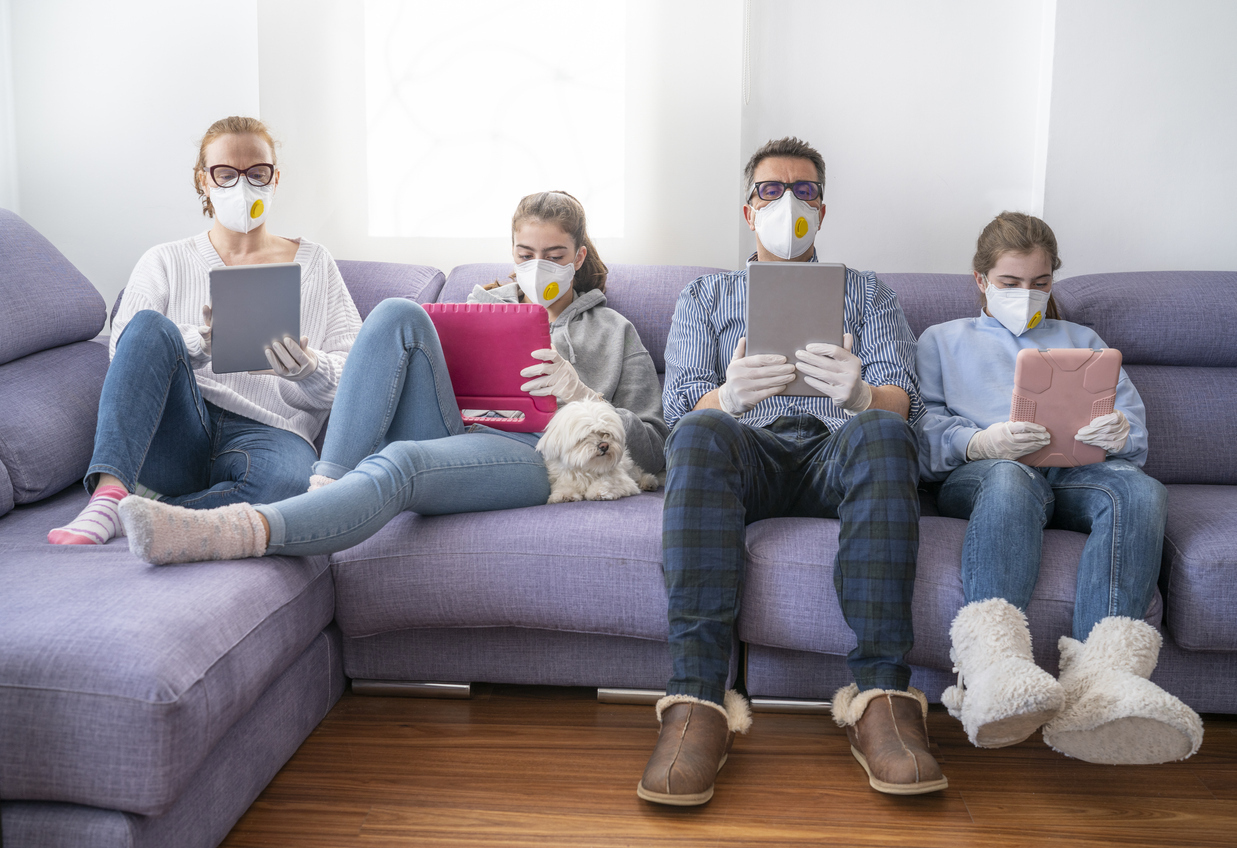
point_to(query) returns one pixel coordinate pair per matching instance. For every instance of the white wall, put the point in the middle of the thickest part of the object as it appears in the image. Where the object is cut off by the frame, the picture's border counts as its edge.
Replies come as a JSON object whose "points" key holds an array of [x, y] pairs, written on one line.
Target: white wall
{"points": [[1118, 116], [926, 114], [682, 134], [8, 140], [1142, 162], [110, 102]]}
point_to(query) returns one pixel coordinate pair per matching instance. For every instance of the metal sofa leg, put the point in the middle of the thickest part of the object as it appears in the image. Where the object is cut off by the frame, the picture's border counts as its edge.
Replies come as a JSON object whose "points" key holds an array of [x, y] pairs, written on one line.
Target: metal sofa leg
{"points": [[412, 689]]}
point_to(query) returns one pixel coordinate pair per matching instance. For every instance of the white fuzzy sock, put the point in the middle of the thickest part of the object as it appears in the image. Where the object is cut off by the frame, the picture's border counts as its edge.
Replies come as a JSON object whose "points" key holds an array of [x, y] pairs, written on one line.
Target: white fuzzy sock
{"points": [[317, 481], [97, 524], [160, 533]]}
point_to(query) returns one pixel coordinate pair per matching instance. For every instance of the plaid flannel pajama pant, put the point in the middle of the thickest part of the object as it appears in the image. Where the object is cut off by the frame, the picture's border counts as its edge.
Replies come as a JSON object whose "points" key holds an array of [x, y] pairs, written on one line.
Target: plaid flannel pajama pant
{"points": [[722, 475]]}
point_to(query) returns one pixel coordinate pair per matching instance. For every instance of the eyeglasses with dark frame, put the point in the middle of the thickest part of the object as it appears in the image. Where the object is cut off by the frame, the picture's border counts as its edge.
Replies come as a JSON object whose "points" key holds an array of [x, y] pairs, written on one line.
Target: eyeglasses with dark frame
{"points": [[225, 176], [773, 189]]}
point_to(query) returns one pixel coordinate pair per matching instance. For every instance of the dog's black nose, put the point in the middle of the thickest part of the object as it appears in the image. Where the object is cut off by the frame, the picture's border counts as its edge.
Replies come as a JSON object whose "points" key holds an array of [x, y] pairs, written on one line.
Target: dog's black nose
{"points": [[603, 447]]}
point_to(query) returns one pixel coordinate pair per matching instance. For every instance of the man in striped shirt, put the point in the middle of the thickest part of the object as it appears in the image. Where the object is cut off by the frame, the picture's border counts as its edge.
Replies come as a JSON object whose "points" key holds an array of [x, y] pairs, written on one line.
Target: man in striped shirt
{"points": [[742, 451]]}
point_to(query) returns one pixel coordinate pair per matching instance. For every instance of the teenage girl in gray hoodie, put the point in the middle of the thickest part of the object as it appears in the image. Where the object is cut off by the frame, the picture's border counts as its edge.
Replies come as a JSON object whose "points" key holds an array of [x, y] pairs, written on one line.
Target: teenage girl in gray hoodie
{"points": [[397, 441]]}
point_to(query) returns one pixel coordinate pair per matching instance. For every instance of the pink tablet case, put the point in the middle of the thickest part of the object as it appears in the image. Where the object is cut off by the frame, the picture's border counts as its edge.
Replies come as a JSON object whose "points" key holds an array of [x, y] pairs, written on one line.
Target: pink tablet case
{"points": [[1064, 389], [486, 345]]}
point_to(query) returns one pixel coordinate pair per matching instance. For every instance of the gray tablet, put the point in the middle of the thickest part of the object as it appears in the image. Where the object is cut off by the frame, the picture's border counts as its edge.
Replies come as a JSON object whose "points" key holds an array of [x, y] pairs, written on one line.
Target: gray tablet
{"points": [[791, 305], [252, 306]]}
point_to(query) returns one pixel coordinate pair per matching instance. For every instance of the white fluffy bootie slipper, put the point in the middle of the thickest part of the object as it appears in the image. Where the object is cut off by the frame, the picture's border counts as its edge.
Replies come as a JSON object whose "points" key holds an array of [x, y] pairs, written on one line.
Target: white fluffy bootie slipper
{"points": [[1114, 714], [1002, 696]]}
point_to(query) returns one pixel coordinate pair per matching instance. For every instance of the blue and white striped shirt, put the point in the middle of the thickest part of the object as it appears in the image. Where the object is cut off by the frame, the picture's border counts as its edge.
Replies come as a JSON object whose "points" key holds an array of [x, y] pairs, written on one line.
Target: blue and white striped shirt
{"points": [[708, 323]]}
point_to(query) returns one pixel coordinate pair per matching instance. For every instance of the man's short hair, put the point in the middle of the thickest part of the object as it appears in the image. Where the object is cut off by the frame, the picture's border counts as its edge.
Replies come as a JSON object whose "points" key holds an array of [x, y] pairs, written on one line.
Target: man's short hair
{"points": [[788, 146]]}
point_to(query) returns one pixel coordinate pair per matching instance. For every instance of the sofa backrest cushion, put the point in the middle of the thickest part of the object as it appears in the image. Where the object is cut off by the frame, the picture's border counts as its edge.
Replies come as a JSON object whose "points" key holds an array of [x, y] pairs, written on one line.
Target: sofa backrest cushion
{"points": [[49, 404], [44, 301], [928, 299], [1158, 317], [1191, 422], [370, 283], [644, 294]]}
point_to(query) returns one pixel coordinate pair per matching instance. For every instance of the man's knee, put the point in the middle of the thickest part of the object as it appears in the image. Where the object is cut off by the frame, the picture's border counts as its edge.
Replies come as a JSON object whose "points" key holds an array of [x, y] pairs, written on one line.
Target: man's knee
{"points": [[703, 429], [878, 425]]}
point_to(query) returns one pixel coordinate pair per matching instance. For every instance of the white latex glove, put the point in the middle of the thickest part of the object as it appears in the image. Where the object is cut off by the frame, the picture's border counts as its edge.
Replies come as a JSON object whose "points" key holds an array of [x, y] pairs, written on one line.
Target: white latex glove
{"points": [[1109, 432], [290, 360], [555, 376], [837, 372], [751, 379], [204, 330], [1007, 440]]}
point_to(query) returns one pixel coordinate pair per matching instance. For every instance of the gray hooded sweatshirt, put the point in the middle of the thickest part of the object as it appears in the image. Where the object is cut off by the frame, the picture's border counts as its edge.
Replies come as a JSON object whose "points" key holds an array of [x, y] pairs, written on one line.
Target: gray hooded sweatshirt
{"points": [[607, 353]]}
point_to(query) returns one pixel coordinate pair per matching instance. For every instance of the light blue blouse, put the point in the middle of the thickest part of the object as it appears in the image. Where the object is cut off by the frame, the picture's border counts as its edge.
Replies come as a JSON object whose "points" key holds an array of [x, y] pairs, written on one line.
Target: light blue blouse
{"points": [[966, 380]]}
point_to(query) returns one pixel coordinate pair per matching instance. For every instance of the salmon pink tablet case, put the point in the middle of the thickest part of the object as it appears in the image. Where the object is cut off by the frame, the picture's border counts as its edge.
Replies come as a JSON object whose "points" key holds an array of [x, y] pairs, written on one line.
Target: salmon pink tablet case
{"points": [[486, 345], [1064, 389]]}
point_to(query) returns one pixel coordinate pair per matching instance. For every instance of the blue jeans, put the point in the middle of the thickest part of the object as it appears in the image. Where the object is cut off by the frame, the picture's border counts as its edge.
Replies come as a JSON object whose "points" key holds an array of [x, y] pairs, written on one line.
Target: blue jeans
{"points": [[1009, 505], [723, 475], [155, 428], [396, 442]]}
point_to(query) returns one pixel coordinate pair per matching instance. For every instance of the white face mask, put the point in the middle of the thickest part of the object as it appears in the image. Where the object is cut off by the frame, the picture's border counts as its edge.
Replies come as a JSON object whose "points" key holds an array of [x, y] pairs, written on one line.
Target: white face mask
{"points": [[1017, 309], [241, 207], [787, 226], [543, 281]]}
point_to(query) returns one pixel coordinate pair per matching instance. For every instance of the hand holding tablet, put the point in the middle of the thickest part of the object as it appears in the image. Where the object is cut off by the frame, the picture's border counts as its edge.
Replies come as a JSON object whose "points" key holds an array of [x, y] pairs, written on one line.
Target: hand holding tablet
{"points": [[290, 360], [836, 373], [751, 379]]}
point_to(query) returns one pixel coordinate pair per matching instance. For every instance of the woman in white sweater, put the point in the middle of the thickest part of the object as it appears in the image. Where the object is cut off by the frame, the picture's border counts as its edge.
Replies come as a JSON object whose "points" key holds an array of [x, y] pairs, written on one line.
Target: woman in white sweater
{"points": [[167, 421]]}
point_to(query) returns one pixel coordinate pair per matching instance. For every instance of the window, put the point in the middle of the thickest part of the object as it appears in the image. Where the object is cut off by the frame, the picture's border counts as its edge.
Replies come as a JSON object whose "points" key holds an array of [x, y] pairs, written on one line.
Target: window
{"points": [[471, 106]]}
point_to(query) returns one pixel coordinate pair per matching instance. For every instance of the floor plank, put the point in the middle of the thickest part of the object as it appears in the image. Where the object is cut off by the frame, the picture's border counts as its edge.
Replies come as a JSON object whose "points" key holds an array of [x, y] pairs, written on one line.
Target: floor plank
{"points": [[543, 767]]}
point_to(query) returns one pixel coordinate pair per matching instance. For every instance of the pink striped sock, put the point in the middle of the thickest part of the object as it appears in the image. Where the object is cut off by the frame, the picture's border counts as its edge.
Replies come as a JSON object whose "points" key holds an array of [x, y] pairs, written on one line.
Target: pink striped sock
{"points": [[95, 524]]}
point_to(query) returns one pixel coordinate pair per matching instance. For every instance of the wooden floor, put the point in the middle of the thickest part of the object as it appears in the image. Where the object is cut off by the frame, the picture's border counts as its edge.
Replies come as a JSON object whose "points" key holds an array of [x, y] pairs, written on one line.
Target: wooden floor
{"points": [[547, 767]]}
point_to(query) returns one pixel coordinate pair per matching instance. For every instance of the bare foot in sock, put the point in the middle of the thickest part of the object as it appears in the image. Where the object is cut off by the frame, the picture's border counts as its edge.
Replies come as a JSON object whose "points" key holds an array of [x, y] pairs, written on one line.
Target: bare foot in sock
{"points": [[96, 524], [160, 533]]}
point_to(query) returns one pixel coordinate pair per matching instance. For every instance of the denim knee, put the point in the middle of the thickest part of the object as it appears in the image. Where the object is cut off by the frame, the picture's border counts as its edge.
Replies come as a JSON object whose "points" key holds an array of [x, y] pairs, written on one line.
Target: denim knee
{"points": [[1143, 498], [397, 313], [154, 332], [1009, 481]]}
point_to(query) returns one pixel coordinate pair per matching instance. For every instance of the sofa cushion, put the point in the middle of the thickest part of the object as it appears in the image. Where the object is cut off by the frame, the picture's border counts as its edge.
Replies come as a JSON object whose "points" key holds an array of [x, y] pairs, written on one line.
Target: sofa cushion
{"points": [[789, 600], [588, 567], [118, 678], [44, 301], [370, 283], [6, 490], [1130, 312], [644, 294], [1190, 410], [928, 299], [1199, 577], [49, 403]]}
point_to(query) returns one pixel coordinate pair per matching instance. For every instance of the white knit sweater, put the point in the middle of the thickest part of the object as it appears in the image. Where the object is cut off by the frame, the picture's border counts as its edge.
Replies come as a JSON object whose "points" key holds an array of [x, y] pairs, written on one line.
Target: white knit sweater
{"points": [[174, 280]]}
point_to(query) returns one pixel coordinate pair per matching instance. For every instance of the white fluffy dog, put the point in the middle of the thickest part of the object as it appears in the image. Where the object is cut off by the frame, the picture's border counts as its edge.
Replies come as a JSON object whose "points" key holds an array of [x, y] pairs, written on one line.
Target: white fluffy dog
{"points": [[585, 450]]}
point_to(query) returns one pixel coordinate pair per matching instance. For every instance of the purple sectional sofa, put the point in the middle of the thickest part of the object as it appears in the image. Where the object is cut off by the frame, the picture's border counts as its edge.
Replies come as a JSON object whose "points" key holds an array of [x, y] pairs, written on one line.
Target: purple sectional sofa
{"points": [[145, 706], [139, 706]]}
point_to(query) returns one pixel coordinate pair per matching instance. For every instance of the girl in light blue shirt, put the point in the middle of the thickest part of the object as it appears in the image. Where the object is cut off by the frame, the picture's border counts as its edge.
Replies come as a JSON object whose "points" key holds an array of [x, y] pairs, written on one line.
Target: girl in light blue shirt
{"points": [[1104, 708]]}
